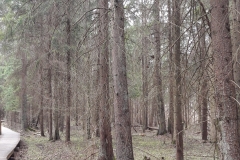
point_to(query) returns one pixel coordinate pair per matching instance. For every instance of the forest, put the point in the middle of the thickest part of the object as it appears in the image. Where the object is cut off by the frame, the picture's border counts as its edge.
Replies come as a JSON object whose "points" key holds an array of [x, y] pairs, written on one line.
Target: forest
{"points": [[121, 79]]}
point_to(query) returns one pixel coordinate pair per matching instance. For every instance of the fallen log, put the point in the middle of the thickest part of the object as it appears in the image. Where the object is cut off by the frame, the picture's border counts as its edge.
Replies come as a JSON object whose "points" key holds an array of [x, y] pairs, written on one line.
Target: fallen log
{"points": [[152, 128], [136, 125]]}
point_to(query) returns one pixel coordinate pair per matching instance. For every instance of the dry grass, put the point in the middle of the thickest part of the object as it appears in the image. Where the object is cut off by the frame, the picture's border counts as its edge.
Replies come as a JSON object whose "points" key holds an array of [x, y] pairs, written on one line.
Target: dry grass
{"points": [[147, 144]]}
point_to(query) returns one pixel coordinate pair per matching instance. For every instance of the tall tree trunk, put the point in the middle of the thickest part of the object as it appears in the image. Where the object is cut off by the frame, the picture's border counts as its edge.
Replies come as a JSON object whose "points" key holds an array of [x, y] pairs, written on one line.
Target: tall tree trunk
{"points": [[41, 102], [212, 106], [171, 82], [178, 92], [41, 79], [225, 92], [88, 109], [49, 82], [124, 150], [106, 149], [24, 123], [204, 84], [54, 82], [98, 96], [89, 78], [185, 93], [68, 30], [199, 102], [152, 111], [144, 69], [235, 47], [204, 104], [55, 106], [61, 120], [49, 76], [157, 72]]}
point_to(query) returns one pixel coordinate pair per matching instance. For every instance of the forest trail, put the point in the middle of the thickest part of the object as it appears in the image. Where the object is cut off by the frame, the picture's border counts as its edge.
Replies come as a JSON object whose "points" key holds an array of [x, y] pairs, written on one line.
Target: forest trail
{"points": [[8, 141]]}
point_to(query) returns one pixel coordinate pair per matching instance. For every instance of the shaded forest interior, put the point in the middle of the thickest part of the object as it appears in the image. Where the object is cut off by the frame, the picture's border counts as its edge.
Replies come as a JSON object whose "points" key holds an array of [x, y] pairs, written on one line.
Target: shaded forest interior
{"points": [[115, 79]]}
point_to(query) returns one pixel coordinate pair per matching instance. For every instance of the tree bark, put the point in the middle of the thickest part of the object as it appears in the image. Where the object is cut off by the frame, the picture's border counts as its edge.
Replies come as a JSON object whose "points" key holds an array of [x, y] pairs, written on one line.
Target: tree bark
{"points": [[152, 112], [225, 90], [98, 96], [49, 82], [235, 9], [144, 70], [204, 84], [106, 149], [24, 123], [88, 108], [124, 149], [54, 101], [41, 116], [171, 82], [212, 106], [41, 102], [157, 72], [68, 107], [178, 80], [49, 96]]}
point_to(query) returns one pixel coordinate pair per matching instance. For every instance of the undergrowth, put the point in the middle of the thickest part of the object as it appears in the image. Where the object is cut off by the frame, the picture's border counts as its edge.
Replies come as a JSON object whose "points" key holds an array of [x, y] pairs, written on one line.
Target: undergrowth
{"points": [[146, 145]]}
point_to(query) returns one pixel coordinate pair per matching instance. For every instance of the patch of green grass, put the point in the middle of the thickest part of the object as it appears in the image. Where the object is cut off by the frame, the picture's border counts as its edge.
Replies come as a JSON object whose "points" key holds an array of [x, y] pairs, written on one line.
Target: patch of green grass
{"points": [[152, 147], [35, 145]]}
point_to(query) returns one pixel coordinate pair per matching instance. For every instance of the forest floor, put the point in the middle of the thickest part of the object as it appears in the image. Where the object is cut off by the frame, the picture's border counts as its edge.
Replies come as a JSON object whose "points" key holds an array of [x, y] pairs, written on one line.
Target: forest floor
{"points": [[144, 144]]}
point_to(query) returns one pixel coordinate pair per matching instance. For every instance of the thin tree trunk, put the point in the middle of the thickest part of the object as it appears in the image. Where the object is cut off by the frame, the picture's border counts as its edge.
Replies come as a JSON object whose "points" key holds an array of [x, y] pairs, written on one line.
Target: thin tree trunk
{"points": [[185, 94], [144, 70], [124, 149], [98, 96], [227, 116], [49, 96], [24, 123], [178, 78], [199, 109], [56, 108], [55, 102], [68, 107], [40, 59], [204, 85], [88, 117], [157, 69], [41, 103], [171, 82], [49, 82], [204, 104]]}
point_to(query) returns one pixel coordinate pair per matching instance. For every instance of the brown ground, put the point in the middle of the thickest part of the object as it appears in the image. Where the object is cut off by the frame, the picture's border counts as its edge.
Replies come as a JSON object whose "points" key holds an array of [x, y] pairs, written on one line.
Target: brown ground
{"points": [[145, 145]]}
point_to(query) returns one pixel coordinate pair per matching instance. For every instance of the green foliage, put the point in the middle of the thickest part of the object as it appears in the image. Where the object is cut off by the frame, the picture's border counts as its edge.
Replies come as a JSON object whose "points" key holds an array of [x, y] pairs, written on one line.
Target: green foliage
{"points": [[12, 21], [135, 91], [9, 98], [133, 72], [1, 35], [9, 85]]}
